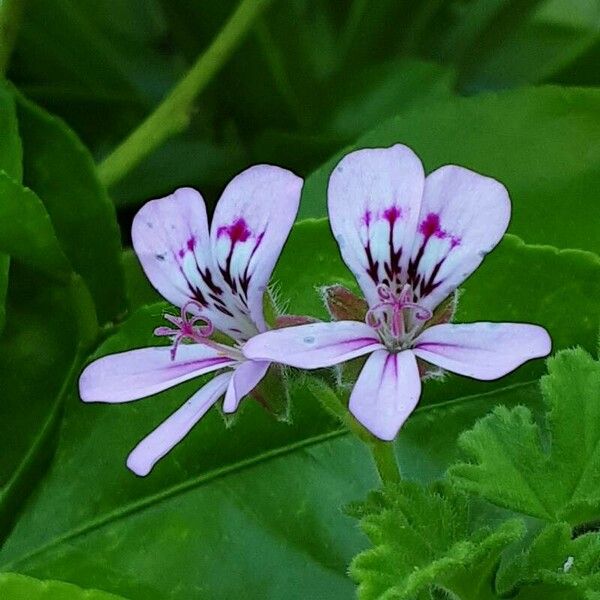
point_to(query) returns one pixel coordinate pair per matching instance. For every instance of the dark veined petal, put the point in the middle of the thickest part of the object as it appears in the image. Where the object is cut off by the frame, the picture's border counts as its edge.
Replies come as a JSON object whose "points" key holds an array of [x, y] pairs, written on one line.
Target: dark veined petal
{"points": [[374, 200], [251, 223]]}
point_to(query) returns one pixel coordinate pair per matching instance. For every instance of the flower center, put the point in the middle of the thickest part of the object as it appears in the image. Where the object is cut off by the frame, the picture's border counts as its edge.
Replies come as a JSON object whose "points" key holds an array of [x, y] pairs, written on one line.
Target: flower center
{"points": [[194, 328], [397, 318]]}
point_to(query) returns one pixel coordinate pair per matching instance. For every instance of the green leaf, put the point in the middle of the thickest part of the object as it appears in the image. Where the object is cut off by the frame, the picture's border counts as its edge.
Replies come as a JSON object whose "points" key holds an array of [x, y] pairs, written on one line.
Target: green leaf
{"points": [[37, 349], [542, 143], [19, 587], [26, 232], [557, 561], [62, 173], [265, 493], [11, 163], [554, 37], [426, 540], [551, 474]]}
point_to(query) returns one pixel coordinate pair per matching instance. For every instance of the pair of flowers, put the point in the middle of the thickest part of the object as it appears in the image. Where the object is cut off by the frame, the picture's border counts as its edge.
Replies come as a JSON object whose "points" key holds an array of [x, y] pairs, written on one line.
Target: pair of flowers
{"points": [[409, 240]]}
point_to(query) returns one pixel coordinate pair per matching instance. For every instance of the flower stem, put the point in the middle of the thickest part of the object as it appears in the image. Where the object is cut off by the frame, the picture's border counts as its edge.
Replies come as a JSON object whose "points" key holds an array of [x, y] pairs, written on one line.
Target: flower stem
{"points": [[11, 13], [172, 115], [383, 453]]}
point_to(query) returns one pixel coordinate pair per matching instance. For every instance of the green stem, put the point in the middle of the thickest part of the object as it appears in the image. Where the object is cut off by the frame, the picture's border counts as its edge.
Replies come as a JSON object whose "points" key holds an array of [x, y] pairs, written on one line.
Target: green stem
{"points": [[383, 453], [173, 114], [11, 13]]}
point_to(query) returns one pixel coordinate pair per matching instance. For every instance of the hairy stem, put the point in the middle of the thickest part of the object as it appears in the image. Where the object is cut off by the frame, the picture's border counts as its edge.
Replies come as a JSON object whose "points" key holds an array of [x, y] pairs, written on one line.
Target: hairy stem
{"points": [[173, 114], [11, 13], [384, 456]]}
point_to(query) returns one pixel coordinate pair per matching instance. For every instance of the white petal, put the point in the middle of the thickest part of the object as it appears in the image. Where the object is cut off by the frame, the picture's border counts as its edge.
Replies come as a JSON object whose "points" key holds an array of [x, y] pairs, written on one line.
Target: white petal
{"points": [[315, 345], [171, 431], [386, 392], [482, 350], [245, 378]]}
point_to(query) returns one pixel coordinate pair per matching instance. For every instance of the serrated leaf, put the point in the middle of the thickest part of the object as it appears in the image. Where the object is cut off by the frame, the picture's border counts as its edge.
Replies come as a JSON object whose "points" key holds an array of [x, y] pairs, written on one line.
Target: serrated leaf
{"points": [[19, 587], [26, 231], [543, 144], [554, 474], [425, 540], [556, 561], [62, 173]]}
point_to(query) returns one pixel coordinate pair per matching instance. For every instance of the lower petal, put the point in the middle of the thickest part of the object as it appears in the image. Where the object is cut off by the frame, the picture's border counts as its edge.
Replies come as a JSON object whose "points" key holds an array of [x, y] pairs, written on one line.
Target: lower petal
{"points": [[245, 378], [139, 373], [386, 392], [315, 345], [482, 350], [170, 432]]}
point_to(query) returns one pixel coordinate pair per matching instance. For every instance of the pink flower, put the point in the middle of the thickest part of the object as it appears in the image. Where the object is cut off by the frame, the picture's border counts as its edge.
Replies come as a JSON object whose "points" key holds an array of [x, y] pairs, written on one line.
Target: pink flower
{"points": [[218, 281], [410, 241]]}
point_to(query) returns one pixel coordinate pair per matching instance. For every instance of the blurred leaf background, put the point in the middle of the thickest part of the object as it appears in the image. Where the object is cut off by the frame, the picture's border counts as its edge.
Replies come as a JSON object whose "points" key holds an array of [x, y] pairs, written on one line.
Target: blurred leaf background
{"points": [[510, 88]]}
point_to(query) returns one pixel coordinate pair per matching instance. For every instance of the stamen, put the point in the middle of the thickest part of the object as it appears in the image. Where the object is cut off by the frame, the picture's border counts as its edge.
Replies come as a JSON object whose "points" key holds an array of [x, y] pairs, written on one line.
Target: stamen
{"points": [[186, 328]]}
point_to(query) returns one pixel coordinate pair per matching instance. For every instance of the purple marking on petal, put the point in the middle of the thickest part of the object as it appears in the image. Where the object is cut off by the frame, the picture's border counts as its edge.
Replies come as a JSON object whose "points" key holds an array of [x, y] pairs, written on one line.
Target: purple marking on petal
{"points": [[431, 226], [367, 218], [191, 243], [238, 231], [392, 214], [181, 253]]}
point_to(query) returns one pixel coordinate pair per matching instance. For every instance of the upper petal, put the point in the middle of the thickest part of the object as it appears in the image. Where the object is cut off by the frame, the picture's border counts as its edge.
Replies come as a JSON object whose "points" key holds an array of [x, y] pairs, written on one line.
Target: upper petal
{"points": [[463, 216], [251, 222], [374, 199], [386, 392], [171, 240], [315, 345], [139, 373], [245, 378], [482, 350], [171, 431]]}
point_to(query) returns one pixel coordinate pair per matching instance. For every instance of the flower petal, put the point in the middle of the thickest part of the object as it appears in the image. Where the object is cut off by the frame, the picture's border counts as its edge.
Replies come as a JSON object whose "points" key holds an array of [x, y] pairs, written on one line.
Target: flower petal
{"points": [[170, 432], [251, 222], [386, 392], [170, 237], [245, 378], [463, 216], [315, 345], [482, 350], [374, 199], [139, 373]]}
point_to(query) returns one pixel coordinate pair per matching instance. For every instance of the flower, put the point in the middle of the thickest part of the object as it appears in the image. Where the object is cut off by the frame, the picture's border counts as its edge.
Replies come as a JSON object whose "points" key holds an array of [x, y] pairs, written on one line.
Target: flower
{"points": [[218, 281], [410, 241]]}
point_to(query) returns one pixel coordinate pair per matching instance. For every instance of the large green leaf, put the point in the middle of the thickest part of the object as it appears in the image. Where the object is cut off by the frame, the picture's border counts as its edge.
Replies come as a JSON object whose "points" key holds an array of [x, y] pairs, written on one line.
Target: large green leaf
{"points": [[252, 510], [19, 587], [515, 466], [37, 349], [60, 170], [26, 232], [542, 143], [11, 163]]}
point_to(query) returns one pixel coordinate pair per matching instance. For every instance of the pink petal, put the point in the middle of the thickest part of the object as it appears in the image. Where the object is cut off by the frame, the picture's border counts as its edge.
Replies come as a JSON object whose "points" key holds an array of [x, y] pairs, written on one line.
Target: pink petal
{"points": [[374, 200], [315, 345], [170, 432], [386, 392], [482, 350], [245, 378], [171, 239], [139, 373], [463, 216], [251, 222]]}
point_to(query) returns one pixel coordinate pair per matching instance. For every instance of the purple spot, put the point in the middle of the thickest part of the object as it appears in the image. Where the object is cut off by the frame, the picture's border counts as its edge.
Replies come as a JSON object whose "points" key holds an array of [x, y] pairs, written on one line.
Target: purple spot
{"points": [[392, 214], [238, 231], [181, 253], [367, 218], [455, 241], [431, 226], [191, 243]]}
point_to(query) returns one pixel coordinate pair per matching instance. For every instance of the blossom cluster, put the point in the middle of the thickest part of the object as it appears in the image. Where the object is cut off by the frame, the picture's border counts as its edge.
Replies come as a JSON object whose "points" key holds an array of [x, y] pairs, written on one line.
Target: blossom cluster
{"points": [[409, 239]]}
